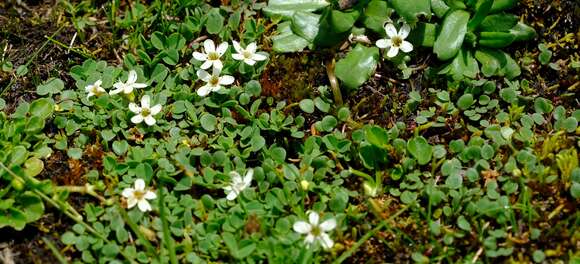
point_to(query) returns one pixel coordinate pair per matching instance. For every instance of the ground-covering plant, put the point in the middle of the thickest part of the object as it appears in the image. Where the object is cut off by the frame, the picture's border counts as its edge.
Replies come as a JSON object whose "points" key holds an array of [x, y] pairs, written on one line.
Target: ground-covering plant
{"points": [[187, 156]]}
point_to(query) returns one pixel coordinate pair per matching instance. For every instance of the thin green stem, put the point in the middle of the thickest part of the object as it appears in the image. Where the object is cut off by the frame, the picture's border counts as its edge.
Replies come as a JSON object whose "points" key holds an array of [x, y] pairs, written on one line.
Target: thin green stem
{"points": [[169, 243], [367, 236], [32, 58], [54, 251]]}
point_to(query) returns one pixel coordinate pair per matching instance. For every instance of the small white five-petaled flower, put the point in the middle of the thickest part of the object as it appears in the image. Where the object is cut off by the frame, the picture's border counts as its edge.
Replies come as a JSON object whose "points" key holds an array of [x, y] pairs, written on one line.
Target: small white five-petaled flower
{"points": [[214, 81], [238, 184], [248, 55], [139, 196], [127, 87], [211, 55], [95, 89], [145, 112], [314, 231], [396, 40]]}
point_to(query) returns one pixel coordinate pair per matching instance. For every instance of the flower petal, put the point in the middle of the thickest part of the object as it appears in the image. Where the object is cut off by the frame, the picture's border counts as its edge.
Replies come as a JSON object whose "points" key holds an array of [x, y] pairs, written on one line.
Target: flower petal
{"points": [[144, 205], [137, 119], [217, 64], [226, 80], [139, 185], [250, 62], [139, 85], [206, 64], [313, 218], [149, 195], [155, 109], [302, 227], [252, 47], [384, 43], [249, 176], [237, 56], [98, 83], [222, 48], [325, 240], [131, 202], [204, 90], [390, 30], [393, 51], [150, 120], [145, 101], [404, 31], [236, 177], [132, 78], [208, 46], [128, 89], [406, 46], [199, 56], [128, 192], [203, 75], [259, 57], [237, 47], [232, 195], [328, 224], [134, 108], [309, 240]]}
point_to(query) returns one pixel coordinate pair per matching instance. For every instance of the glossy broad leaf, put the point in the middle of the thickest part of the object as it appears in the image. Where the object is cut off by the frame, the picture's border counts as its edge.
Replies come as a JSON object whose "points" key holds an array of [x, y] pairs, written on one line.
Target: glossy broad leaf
{"points": [[452, 34], [287, 41], [420, 149], [287, 8], [411, 10], [358, 66]]}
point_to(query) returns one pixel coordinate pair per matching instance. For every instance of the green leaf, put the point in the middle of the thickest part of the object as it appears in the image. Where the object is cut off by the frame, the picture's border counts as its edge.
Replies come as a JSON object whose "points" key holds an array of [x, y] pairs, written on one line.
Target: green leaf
{"points": [[306, 25], [482, 8], [424, 34], [215, 21], [410, 10], [452, 34], [420, 149], [439, 7], [33, 166], [208, 122], [2, 104], [465, 101], [498, 22], [307, 105], [362, 61], [42, 108], [158, 40], [377, 136], [463, 223], [328, 123], [375, 16], [120, 147], [286, 41], [50, 87], [287, 8]]}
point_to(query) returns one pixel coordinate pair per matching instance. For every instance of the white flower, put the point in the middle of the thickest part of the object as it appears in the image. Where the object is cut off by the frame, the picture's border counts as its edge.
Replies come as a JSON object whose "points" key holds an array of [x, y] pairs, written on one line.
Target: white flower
{"points": [[95, 89], [238, 184], [211, 55], [128, 86], [316, 232], [145, 112], [139, 196], [214, 81], [395, 41], [248, 55]]}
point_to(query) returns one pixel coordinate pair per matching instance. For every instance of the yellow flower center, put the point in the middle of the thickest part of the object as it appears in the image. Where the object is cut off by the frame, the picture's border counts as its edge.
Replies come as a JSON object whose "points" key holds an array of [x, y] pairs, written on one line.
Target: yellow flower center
{"points": [[247, 54], [145, 111], [139, 195], [397, 41], [213, 56], [316, 231], [214, 80]]}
